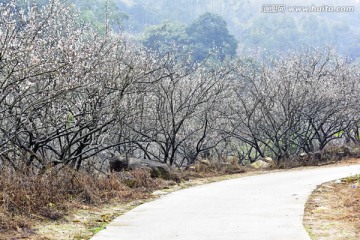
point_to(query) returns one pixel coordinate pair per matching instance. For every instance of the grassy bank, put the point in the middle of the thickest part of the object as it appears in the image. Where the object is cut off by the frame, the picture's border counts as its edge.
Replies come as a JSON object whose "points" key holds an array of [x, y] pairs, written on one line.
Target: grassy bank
{"points": [[64, 197], [332, 212]]}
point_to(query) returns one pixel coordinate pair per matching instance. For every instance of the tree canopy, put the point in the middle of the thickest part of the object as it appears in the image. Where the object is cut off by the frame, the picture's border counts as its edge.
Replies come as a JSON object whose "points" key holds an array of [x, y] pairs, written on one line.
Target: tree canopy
{"points": [[166, 36], [207, 34], [101, 14]]}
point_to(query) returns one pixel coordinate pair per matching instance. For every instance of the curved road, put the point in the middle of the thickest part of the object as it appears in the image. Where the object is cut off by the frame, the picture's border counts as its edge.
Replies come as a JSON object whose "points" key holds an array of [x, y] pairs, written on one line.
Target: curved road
{"points": [[268, 206]]}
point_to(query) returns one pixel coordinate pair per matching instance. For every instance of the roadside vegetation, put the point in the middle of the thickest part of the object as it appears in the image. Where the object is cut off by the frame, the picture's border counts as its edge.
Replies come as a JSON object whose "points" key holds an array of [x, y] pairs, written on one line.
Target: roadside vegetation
{"points": [[73, 99], [333, 210], [54, 197]]}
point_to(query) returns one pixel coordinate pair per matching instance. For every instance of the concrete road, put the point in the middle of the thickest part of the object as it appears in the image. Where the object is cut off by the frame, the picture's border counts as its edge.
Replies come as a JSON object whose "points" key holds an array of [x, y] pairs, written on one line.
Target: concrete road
{"points": [[263, 207]]}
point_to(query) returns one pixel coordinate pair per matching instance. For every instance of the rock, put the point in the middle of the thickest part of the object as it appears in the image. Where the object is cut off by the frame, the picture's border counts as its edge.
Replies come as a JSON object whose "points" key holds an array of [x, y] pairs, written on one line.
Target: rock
{"points": [[118, 163], [157, 169], [268, 160], [304, 157], [205, 162], [260, 164], [198, 165]]}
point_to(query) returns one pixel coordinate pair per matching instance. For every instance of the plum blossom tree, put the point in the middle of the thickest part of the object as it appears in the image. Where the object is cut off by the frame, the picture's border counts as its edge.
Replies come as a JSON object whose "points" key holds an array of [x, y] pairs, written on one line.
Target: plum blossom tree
{"points": [[297, 104], [59, 83], [68, 93]]}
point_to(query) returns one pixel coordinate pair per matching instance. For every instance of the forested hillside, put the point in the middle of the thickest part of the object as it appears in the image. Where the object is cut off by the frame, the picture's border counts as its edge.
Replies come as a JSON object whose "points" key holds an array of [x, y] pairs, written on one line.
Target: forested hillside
{"points": [[257, 33]]}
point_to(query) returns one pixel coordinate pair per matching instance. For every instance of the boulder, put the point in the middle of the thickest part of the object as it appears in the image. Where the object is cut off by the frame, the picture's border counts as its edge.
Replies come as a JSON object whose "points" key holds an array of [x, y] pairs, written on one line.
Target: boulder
{"points": [[263, 163], [304, 157], [260, 164], [157, 169], [268, 160], [118, 163]]}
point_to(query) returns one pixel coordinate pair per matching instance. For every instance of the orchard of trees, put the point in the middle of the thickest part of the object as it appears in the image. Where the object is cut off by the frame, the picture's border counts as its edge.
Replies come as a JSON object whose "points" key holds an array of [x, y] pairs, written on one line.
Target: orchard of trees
{"points": [[68, 93]]}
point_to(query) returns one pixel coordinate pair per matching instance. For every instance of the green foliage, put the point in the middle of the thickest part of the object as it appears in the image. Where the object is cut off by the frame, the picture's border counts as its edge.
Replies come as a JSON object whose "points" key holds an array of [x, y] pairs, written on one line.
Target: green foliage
{"points": [[275, 34], [166, 36], [258, 33], [70, 119], [101, 14], [278, 34], [208, 32], [97, 229], [339, 134]]}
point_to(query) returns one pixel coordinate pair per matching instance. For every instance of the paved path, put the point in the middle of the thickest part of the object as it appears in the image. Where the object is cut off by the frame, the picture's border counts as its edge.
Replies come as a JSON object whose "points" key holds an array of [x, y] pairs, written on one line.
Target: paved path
{"points": [[263, 207]]}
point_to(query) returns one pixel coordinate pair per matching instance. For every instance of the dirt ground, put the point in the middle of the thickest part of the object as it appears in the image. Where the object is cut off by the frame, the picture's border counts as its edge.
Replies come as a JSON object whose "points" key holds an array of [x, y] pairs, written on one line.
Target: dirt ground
{"points": [[332, 212]]}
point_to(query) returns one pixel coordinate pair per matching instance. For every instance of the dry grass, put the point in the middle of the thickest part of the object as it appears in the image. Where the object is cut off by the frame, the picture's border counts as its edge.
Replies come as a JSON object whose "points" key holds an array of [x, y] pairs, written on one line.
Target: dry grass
{"points": [[28, 198], [330, 155], [74, 205], [213, 168], [86, 221], [333, 211], [52, 198]]}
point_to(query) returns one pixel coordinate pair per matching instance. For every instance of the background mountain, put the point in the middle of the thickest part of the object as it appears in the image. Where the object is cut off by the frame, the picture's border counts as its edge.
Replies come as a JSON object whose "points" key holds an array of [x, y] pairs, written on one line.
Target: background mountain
{"points": [[258, 34]]}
